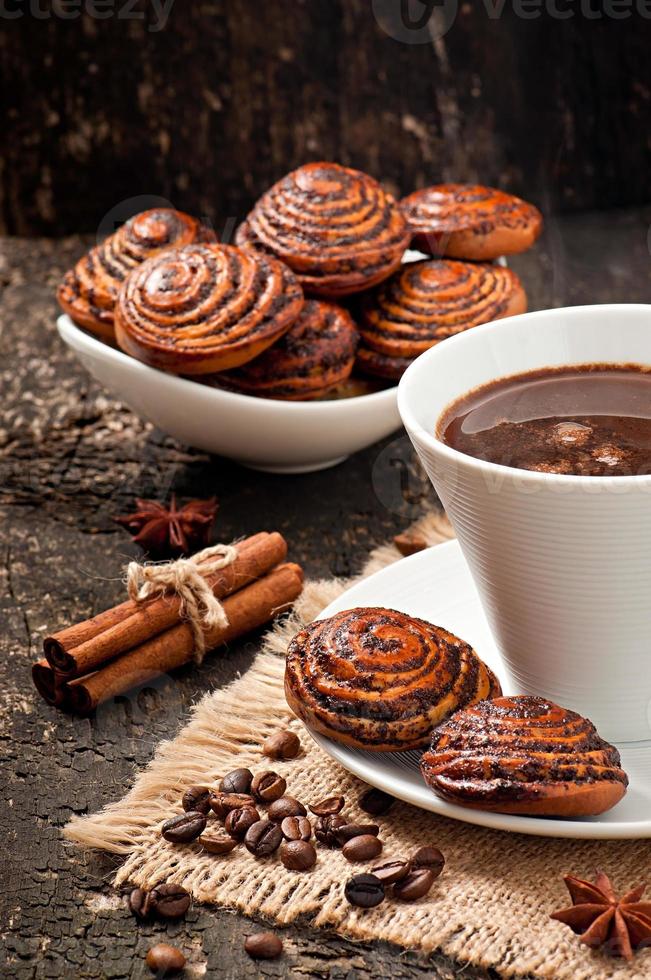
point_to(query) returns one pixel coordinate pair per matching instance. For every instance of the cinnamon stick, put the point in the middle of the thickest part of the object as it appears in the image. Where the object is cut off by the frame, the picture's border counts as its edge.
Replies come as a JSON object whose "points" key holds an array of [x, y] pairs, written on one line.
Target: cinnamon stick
{"points": [[247, 609], [108, 636], [50, 685]]}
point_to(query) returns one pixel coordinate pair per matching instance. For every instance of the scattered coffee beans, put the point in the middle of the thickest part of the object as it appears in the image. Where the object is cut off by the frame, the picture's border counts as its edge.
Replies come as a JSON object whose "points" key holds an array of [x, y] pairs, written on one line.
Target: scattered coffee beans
{"points": [[328, 807], [237, 781], [362, 848], [391, 871], [263, 946], [217, 843], [286, 806], [326, 827], [282, 745], [164, 960], [196, 798], [170, 901], [415, 885], [238, 821], [297, 855], [268, 786], [428, 857], [350, 830], [263, 838], [140, 903], [184, 828], [365, 891], [296, 828], [223, 803], [376, 802]]}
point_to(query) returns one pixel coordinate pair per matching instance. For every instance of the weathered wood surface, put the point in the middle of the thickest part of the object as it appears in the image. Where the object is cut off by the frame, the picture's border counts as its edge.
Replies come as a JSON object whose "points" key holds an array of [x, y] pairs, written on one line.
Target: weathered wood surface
{"points": [[226, 97], [70, 458]]}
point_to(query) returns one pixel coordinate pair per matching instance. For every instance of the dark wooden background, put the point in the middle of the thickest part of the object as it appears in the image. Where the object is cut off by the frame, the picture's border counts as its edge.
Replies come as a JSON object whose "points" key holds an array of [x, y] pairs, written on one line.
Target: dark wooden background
{"points": [[228, 96]]}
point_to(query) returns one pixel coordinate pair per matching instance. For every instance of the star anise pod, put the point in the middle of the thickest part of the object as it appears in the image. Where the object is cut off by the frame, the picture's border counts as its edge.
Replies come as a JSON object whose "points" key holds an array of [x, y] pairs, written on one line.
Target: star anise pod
{"points": [[619, 925], [171, 531]]}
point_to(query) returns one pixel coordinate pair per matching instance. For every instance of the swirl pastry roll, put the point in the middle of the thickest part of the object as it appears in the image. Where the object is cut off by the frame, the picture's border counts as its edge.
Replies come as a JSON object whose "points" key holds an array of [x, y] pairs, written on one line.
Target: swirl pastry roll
{"points": [[335, 227], [468, 221], [425, 302], [89, 291], [315, 355], [376, 365], [379, 679], [205, 308], [524, 755]]}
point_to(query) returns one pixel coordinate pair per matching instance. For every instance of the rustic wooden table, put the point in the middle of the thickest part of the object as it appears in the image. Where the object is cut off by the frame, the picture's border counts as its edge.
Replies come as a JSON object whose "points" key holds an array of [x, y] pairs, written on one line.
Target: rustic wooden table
{"points": [[71, 458]]}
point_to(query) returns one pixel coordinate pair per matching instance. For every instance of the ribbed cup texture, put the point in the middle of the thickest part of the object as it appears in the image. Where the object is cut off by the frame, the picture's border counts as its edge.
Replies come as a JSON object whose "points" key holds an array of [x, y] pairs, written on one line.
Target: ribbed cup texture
{"points": [[563, 570]]}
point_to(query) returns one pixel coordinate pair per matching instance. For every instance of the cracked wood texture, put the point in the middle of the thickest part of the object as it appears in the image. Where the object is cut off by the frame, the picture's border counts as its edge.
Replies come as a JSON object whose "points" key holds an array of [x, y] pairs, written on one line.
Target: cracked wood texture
{"points": [[70, 458], [209, 106]]}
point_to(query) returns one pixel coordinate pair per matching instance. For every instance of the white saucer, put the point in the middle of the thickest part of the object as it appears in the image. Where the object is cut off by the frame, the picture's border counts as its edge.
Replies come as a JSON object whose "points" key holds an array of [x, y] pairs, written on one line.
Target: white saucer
{"points": [[436, 585]]}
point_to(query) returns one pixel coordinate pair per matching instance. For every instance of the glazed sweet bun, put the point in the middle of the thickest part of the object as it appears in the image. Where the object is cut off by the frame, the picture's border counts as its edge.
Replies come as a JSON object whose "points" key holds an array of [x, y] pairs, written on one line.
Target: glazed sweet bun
{"points": [[378, 679], [524, 755], [427, 301], [315, 355], [335, 227], [376, 365], [205, 308], [89, 291], [469, 221]]}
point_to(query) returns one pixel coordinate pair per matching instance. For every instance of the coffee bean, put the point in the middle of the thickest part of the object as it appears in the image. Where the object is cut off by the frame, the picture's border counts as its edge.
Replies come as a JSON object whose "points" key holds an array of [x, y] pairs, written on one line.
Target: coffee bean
{"points": [[416, 885], [164, 960], [184, 828], [326, 808], [282, 745], [263, 838], [428, 857], [297, 855], [223, 803], [350, 830], [170, 901], [196, 798], [365, 891], [363, 848], [238, 821], [296, 828], [263, 946], [268, 786], [376, 802], [326, 827], [216, 843], [286, 806], [140, 903], [237, 781], [391, 871]]}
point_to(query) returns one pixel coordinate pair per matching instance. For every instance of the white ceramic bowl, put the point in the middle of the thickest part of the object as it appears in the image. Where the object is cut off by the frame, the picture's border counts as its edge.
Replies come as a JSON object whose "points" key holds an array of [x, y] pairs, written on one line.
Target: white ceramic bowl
{"points": [[562, 564], [281, 437]]}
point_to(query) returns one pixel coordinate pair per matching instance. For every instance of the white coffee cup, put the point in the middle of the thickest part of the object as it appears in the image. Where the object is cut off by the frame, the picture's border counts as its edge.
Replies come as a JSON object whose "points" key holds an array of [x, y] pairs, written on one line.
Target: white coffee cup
{"points": [[562, 564]]}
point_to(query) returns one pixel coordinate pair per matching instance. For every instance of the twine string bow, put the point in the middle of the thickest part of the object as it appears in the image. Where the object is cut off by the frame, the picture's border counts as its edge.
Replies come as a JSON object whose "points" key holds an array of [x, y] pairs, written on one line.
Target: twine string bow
{"points": [[186, 578]]}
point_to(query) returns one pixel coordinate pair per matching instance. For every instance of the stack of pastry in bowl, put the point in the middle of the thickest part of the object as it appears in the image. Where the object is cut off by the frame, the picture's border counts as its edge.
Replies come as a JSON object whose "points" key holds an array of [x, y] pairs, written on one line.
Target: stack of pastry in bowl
{"points": [[377, 679], [315, 288]]}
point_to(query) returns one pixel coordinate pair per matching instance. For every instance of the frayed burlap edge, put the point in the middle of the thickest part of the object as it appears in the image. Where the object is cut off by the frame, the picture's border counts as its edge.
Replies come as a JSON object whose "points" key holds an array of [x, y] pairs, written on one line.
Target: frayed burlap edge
{"points": [[490, 907]]}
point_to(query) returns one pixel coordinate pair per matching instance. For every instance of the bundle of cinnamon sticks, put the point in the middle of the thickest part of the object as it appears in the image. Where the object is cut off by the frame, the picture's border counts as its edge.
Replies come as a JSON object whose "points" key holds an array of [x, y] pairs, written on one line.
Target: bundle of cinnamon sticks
{"points": [[122, 647]]}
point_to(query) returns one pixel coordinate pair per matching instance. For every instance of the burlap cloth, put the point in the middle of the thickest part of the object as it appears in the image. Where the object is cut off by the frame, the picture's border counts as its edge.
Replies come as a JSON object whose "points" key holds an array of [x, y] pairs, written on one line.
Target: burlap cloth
{"points": [[491, 905]]}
